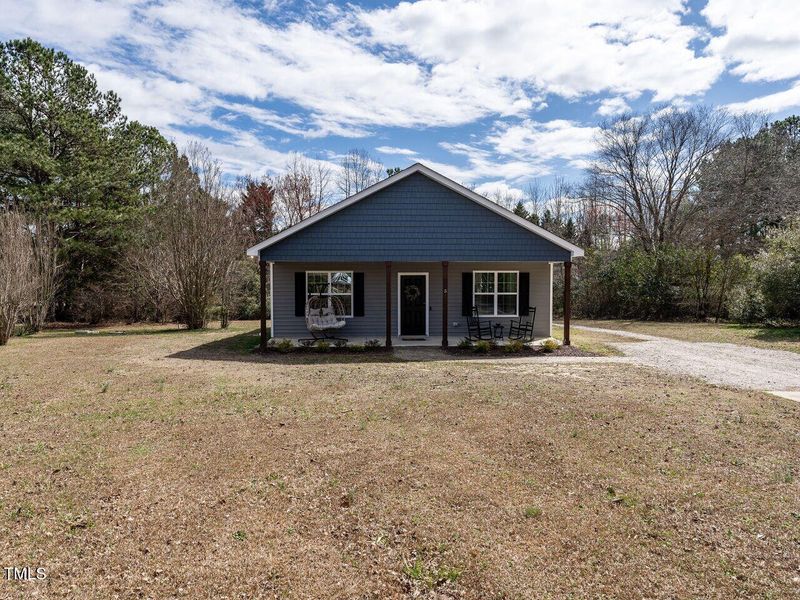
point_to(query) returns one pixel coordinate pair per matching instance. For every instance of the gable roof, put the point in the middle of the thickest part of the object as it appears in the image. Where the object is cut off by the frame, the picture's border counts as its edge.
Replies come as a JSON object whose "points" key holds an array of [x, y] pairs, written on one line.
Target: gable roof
{"points": [[574, 250]]}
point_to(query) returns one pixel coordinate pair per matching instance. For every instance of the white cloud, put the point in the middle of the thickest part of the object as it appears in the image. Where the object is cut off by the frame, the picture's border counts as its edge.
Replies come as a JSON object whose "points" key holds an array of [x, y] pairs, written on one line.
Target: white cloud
{"points": [[73, 24], [394, 151], [610, 107], [424, 72], [761, 39], [542, 141], [771, 103], [499, 190], [580, 47]]}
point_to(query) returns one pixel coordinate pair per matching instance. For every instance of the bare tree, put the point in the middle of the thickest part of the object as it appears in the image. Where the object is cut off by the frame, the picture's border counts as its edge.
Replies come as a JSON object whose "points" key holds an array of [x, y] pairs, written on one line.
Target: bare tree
{"points": [[190, 239], [17, 271], [303, 190], [647, 168], [46, 271], [358, 171]]}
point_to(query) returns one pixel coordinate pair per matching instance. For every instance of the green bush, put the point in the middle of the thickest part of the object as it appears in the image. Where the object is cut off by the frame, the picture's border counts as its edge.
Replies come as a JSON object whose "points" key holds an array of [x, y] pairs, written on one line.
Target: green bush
{"points": [[372, 344], [514, 347], [550, 344], [746, 303], [322, 346], [340, 343], [482, 347], [284, 345], [465, 343], [777, 271]]}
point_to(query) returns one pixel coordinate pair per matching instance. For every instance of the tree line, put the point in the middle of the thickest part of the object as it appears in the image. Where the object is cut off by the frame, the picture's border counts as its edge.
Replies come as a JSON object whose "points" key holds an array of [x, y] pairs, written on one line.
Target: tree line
{"points": [[684, 213], [102, 217]]}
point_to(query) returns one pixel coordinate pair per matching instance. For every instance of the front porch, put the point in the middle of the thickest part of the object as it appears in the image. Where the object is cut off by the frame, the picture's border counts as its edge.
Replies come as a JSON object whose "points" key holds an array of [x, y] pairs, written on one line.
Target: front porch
{"points": [[378, 306]]}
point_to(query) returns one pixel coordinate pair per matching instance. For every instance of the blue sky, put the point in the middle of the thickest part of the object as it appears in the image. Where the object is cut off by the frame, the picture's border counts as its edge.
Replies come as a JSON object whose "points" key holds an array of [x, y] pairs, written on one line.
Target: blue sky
{"points": [[494, 94]]}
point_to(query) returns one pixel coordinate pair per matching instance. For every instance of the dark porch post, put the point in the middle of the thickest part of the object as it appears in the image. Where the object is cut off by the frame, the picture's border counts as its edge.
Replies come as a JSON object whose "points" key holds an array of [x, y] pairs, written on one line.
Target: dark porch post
{"points": [[444, 303], [567, 299], [262, 267], [388, 304]]}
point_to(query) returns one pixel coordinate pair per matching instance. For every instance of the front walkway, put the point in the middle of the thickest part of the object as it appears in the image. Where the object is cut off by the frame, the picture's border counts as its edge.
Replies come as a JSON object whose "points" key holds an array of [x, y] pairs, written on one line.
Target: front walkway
{"points": [[776, 371]]}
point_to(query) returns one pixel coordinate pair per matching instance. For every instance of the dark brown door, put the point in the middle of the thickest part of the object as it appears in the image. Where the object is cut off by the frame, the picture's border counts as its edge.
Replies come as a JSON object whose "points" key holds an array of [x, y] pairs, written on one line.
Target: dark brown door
{"points": [[412, 304]]}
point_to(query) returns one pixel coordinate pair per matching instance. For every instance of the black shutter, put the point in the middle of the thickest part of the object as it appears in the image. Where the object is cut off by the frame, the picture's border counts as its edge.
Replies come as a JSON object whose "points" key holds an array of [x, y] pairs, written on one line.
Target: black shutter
{"points": [[299, 294], [466, 293], [524, 293], [358, 294]]}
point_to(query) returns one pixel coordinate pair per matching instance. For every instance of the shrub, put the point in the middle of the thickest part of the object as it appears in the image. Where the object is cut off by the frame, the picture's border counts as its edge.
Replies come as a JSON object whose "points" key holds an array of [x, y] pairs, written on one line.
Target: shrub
{"points": [[323, 346], [284, 345], [514, 347], [356, 347], [465, 343], [746, 304], [778, 273], [340, 343], [550, 344], [372, 344], [482, 347]]}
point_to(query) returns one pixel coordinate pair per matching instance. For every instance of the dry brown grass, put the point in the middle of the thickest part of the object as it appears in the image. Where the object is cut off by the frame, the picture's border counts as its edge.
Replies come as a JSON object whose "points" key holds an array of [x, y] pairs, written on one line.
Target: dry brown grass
{"points": [[772, 338], [143, 466]]}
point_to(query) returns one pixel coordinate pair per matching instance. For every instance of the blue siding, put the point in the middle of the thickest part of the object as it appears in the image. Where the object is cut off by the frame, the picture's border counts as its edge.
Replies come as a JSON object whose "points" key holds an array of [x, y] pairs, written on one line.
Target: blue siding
{"points": [[415, 219]]}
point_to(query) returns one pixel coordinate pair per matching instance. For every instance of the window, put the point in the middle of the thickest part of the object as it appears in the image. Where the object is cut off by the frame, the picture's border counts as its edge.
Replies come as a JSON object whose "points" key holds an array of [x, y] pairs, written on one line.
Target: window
{"points": [[495, 293], [337, 284]]}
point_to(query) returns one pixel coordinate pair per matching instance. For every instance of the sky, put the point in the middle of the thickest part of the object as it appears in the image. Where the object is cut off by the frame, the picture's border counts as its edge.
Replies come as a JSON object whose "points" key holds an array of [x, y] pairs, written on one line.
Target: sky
{"points": [[492, 93]]}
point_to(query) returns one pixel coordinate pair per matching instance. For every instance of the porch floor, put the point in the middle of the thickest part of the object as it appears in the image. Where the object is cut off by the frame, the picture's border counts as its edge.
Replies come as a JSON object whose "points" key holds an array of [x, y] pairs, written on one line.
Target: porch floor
{"points": [[430, 341]]}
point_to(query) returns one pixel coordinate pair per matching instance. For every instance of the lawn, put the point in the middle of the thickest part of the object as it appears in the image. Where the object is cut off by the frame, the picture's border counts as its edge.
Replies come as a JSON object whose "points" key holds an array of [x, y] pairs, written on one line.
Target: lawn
{"points": [[758, 336], [151, 462]]}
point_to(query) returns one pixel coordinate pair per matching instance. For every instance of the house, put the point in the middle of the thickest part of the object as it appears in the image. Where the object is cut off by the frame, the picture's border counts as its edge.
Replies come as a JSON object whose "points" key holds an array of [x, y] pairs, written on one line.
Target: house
{"points": [[409, 257]]}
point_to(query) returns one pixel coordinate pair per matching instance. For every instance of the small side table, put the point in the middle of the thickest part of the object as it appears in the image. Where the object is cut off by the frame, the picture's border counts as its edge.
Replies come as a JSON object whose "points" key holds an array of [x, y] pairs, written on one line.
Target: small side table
{"points": [[498, 331]]}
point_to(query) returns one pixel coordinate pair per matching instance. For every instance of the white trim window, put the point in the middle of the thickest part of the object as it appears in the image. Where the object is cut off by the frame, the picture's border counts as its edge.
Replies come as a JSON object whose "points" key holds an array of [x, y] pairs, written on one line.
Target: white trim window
{"points": [[496, 293], [332, 283]]}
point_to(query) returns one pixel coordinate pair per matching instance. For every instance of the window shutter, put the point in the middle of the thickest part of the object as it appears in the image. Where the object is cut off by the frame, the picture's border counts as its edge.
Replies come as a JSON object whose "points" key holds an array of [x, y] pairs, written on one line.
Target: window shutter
{"points": [[299, 294], [466, 293], [358, 294], [524, 293]]}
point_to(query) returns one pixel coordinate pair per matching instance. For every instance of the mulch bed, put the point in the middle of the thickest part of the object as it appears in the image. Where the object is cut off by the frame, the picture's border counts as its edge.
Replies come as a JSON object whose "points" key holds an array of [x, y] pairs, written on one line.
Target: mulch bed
{"points": [[498, 351]]}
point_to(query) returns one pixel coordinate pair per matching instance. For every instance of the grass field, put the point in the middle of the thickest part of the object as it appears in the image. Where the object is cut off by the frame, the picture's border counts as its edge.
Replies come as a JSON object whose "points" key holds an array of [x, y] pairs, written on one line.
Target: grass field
{"points": [[775, 338], [156, 463]]}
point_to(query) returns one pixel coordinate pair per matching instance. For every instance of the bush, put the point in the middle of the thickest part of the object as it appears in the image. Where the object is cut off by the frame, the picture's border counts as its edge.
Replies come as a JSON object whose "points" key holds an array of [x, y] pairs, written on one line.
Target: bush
{"points": [[465, 343], [284, 345], [356, 347], [777, 271], [340, 343], [550, 344], [746, 304], [372, 344], [514, 347], [482, 347], [323, 346]]}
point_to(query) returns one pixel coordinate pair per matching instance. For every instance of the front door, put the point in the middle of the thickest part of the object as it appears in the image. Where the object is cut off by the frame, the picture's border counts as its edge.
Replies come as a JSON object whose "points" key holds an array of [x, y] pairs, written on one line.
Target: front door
{"points": [[413, 304]]}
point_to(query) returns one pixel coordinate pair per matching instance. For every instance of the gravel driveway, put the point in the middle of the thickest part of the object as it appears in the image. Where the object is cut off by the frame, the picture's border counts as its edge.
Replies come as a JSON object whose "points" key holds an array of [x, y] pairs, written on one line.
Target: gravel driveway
{"points": [[724, 364]]}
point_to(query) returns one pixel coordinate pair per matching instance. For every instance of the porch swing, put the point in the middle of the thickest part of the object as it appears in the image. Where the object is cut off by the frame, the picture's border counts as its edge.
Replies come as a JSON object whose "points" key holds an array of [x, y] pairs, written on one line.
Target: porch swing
{"points": [[324, 315]]}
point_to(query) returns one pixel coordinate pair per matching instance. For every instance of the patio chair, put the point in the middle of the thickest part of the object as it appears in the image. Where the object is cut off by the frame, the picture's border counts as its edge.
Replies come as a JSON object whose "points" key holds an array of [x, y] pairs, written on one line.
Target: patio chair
{"points": [[522, 328], [477, 328]]}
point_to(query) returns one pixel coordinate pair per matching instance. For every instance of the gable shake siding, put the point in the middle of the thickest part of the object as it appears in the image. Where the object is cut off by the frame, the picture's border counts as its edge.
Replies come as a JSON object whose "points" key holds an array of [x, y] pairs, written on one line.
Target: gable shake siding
{"points": [[373, 324], [414, 219]]}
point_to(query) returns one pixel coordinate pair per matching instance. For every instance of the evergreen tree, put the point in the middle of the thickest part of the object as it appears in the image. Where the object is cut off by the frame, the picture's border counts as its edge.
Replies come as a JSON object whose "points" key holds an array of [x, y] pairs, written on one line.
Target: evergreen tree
{"points": [[69, 155], [520, 210]]}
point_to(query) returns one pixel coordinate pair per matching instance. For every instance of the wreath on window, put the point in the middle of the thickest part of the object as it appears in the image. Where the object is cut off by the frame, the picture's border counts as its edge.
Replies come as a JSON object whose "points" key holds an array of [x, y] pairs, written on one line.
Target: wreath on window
{"points": [[412, 292]]}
